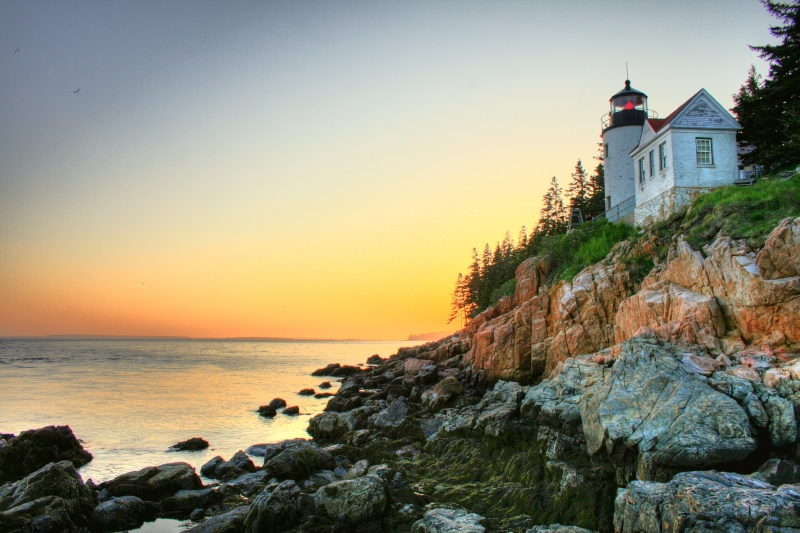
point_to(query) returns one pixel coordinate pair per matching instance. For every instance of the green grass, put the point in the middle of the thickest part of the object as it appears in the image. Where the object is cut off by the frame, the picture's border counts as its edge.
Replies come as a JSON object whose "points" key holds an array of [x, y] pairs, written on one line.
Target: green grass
{"points": [[587, 245], [749, 213]]}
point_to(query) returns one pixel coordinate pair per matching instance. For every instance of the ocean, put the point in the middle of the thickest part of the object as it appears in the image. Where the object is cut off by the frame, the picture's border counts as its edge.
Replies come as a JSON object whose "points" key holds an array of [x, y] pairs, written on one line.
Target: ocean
{"points": [[129, 401]]}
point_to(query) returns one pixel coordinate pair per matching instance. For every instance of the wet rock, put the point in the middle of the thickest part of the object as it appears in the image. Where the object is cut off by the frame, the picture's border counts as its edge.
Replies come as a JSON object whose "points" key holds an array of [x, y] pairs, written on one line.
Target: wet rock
{"points": [[345, 370], [321, 395], [218, 468], [327, 371], [271, 449], [125, 512], [651, 404], [277, 403], [328, 425], [274, 511], [35, 448], [307, 392], [267, 411], [446, 520], [297, 462], [706, 501], [291, 411], [154, 482], [183, 502], [197, 515], [491, 416], [230, 522], [440, 394], [413, 366], [325, 385], [355, 501], [192, 445], [51, 499], [427, 375]]}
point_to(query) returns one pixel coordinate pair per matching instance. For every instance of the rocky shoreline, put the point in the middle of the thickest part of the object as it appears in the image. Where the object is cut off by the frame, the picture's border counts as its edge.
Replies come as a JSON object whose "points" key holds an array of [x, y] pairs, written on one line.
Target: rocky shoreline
{"points": [[602, 404]]}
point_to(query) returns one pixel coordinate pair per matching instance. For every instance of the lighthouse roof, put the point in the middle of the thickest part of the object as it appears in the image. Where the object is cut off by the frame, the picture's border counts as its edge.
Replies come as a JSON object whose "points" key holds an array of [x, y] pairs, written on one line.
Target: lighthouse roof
{"points": [[628, 90]]}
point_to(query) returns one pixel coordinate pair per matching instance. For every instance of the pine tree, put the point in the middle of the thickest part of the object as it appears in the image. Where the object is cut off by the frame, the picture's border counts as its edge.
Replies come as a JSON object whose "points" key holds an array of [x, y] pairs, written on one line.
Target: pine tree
{"points": [[560, 217], [458, 300], [579, 189], [545, 224], [596, 205], [522, 239], [507, 246], [767, 110]]}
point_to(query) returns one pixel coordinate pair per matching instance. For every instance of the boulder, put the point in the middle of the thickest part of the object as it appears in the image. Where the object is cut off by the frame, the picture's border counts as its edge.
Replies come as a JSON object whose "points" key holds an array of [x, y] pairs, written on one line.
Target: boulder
{"points": [[780, 257], [307, 392], [154, 482], [375, 359], [446, 520], [192, 445], [230, 522], [183, 502], [329, 425], [491, 416], [440, 394], [274, 511], [277, 403], [291, 411], [357, 470], [354, 500], [651, 404], [779, 472], [345, 370], [392, 416], [413, 366], [325, 385], [321, 395], [35, 448], [271, 449], [51, 499], [297, 462], [695, 502], [218, 468], [125, 512], [250, 484]]}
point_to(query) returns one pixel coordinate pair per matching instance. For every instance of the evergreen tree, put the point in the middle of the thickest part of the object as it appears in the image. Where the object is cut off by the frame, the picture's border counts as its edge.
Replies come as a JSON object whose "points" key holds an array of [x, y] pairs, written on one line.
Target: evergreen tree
{"points": [[522, 239], [560, 217], [508, 245], [458, 300], [767, 110], [596, 205], [545, 224], [579, 189]]}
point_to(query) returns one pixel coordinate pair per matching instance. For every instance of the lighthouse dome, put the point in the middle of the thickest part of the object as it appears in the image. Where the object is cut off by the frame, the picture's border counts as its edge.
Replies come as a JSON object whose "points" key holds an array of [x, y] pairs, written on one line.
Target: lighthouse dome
{"points": [[628, 108]]}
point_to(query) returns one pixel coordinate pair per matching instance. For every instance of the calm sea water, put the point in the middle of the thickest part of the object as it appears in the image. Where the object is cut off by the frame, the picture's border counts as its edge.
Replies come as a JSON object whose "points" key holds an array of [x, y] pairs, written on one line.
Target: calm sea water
{"points": [[129, 401]]}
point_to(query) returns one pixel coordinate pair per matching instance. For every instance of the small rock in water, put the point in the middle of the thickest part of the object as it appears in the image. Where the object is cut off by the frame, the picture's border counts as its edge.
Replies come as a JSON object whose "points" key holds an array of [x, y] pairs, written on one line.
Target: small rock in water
{"points": [[327, 371], [291, 411], [307, 392], [267, 411], [324, 395], [192, 445], [325, 385], [277, 403]]}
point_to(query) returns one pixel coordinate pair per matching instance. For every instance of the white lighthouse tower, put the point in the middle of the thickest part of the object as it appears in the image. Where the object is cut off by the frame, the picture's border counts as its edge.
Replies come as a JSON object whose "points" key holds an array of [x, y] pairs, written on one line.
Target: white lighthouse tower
{"points": [[622, 129]]}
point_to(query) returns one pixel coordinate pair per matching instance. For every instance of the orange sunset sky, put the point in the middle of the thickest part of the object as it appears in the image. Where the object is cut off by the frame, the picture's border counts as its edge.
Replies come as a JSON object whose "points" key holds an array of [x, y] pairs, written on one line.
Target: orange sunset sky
{"points": [[307, 169]]}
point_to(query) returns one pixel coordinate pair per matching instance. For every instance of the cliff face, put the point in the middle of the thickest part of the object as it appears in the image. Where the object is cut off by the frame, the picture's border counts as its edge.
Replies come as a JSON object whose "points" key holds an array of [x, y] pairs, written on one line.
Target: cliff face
{"points": [[724, 298]]}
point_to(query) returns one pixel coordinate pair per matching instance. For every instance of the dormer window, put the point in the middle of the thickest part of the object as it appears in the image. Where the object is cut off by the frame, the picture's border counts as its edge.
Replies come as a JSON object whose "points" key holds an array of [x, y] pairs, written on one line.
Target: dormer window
{"points": [[705, 155]]}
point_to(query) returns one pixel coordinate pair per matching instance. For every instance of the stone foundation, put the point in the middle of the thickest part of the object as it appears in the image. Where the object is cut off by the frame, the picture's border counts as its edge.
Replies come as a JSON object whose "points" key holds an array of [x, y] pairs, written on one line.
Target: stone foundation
{"points": [[666, 203]]}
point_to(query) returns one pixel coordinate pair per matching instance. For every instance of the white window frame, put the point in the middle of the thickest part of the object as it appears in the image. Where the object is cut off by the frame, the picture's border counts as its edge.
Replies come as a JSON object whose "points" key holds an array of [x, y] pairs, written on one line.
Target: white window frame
{"points": [[652, 158], [701, 141], [662, 156], [641, 170]]}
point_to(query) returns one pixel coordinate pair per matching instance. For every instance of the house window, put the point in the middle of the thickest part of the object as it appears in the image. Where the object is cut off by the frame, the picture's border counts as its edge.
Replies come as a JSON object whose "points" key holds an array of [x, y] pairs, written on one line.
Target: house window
{"points": [[662, 156], [605, 151], [652, 163], [704, 153], [608, 203], [641, 170]]}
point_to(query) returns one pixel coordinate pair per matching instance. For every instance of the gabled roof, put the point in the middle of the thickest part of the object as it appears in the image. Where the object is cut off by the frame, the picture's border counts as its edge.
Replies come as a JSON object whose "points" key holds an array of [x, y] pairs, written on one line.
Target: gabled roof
{"points": [[658, 124]]}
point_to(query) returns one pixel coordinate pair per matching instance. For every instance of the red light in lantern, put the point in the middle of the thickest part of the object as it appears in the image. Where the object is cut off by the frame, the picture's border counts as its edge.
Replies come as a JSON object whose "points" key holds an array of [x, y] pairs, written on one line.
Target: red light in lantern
{"points": [[629, 106]]}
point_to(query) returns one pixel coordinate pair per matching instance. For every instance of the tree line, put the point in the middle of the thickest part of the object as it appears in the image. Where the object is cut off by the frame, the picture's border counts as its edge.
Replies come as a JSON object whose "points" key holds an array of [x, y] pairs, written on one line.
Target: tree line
{"points": [[491, 273], [769, 108]]}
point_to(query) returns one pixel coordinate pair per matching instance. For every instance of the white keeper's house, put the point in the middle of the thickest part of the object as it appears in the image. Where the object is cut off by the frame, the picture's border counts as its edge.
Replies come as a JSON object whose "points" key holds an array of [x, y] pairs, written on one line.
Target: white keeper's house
{"points": [[655, 166]]}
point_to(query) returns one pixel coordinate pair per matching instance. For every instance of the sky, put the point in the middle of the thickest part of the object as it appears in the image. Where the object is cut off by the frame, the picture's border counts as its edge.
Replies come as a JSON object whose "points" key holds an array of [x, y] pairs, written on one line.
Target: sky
{"points": [[307, 169]]}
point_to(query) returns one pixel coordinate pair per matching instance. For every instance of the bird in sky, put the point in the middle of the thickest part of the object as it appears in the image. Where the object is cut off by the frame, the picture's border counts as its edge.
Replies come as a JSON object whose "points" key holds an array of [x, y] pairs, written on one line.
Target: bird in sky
{"points": [[76, 92], [17, 50]]}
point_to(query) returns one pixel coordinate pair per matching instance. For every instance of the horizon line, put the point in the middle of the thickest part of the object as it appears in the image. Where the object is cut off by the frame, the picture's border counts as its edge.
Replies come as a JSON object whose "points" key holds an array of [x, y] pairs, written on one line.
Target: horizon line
{"points": [[179, 337]]}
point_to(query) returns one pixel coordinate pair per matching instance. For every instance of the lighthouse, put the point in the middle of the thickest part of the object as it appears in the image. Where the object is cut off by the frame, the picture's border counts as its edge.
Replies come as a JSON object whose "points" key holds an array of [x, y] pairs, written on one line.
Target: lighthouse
{"points": [[622, 129]]}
